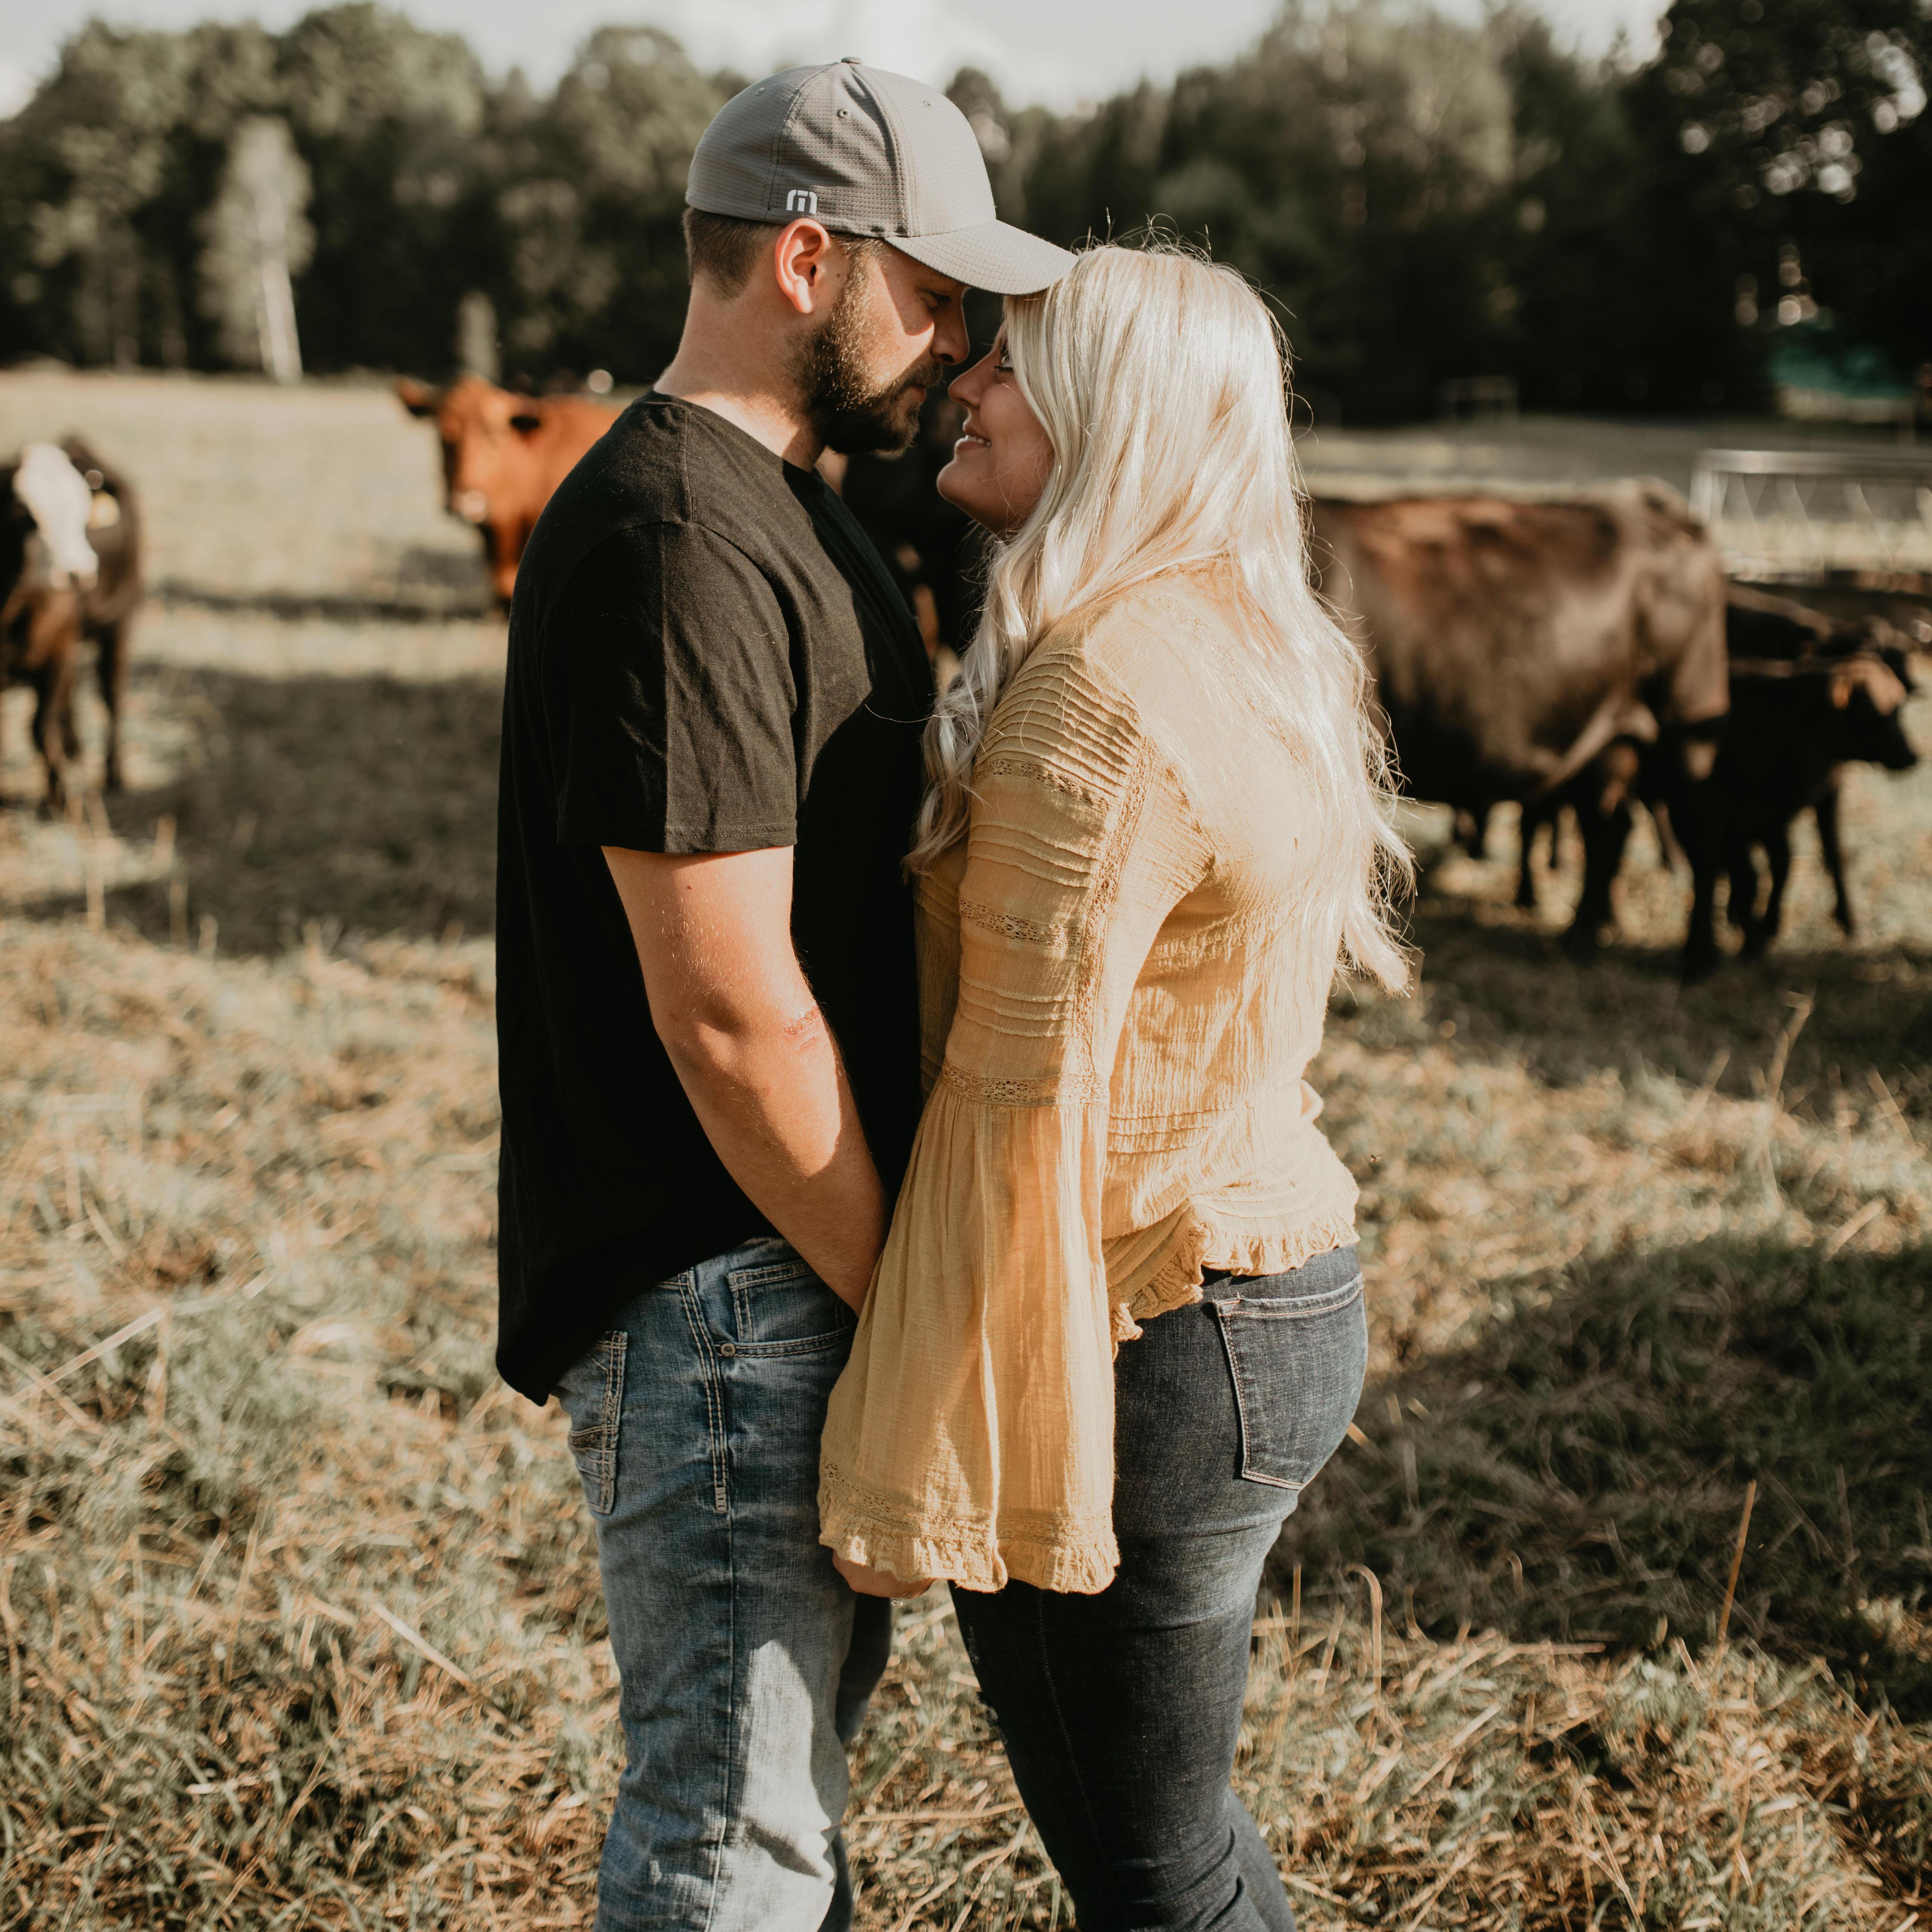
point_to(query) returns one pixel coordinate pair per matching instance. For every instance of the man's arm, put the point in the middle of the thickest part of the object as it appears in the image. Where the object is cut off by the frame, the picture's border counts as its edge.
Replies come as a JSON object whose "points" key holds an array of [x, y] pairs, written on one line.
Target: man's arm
{"points": [[729, 1002]]}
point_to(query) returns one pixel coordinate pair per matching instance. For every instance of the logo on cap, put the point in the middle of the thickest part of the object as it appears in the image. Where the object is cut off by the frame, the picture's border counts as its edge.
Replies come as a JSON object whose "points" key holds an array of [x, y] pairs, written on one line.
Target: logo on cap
{"points": [[801, 201]]}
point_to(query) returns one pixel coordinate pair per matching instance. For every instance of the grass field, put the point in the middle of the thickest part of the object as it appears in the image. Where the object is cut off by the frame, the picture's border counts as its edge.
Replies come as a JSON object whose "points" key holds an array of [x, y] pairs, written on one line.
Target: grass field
{"points": [[299, 1606]]}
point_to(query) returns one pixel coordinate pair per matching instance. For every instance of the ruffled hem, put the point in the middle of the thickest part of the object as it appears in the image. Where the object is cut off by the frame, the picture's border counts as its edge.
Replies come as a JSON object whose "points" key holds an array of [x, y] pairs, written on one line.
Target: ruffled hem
{"points": [[864, 1527], [1176, 1281]]}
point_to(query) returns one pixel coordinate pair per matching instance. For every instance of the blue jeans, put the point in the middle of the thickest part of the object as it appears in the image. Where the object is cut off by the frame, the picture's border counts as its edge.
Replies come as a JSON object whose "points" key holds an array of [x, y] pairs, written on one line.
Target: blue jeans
{"points": [[1121, 1710], [744, 1660]]}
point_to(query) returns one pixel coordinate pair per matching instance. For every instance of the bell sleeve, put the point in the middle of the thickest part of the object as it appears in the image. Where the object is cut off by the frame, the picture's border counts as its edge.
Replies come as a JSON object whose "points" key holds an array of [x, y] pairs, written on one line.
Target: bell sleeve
{"points": [[971, 1436]]}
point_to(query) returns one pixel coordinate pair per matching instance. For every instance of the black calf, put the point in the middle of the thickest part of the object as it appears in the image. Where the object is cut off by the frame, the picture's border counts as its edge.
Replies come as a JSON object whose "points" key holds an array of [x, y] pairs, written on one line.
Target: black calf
{"points": [[1793, 727]]}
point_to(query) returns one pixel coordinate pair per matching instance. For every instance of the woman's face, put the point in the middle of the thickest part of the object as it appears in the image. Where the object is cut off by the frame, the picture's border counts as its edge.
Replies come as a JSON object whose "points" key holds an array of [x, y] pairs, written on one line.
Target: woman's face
{"points": [[1001, 463]]}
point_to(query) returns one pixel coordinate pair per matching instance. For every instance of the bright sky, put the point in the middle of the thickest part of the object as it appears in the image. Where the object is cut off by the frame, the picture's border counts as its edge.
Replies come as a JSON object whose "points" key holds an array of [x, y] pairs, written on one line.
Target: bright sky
{"points": [[1061, 51]]}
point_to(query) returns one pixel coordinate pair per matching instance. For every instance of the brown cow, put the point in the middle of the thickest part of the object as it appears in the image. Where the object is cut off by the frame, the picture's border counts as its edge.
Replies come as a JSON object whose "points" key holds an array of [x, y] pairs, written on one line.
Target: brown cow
{"points": [[502, 456], [1531, 649]]}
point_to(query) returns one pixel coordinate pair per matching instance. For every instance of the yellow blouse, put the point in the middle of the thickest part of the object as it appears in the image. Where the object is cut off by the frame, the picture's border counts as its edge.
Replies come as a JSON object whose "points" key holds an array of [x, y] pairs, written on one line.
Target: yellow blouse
{"points": [[1122, 981]]}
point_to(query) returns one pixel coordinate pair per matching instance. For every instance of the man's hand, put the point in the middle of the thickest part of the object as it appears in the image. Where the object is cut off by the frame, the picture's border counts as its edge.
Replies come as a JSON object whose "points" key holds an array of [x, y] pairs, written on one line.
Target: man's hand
{"points": [[729, 1003], [870, 1582]]}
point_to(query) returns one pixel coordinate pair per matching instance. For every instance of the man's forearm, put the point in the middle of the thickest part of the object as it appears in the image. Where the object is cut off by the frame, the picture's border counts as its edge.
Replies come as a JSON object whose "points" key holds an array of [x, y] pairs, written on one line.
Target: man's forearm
{"points": [[757, 1062], [773, 1099]]}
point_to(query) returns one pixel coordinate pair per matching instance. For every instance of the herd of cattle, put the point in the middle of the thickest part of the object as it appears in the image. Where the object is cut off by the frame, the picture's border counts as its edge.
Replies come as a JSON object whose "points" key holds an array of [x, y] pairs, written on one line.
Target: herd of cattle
{"points": [[1584, 654]]}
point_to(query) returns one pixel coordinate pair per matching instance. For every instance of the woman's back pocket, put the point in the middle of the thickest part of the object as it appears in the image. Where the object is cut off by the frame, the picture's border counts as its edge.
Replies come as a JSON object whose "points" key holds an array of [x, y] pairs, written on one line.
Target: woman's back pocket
{"points": [[1298, 1349]]}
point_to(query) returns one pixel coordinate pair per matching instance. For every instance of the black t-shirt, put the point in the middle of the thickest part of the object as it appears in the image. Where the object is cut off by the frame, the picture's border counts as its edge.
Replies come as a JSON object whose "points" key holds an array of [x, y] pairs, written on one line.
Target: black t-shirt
{"points": [[706, 654]]}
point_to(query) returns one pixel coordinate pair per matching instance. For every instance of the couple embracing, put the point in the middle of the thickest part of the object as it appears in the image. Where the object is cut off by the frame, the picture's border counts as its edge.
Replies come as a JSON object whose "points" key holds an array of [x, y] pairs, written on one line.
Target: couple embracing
{"points": [[908, 1172]]}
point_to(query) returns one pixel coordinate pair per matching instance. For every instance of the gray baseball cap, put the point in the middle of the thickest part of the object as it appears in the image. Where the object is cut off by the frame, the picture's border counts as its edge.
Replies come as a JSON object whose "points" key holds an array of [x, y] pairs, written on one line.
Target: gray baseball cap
{"points": [[868, 153]]}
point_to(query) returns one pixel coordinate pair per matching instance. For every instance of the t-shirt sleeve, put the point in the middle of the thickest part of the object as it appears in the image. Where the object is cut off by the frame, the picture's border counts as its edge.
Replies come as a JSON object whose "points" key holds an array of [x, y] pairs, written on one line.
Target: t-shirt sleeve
{"points": [[670, 698]]}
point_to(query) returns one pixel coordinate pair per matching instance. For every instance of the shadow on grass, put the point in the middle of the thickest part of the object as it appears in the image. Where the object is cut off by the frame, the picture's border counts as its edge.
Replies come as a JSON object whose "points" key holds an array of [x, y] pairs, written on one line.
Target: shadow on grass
{"points": [[428, 586], [1507, 986], [363, 804], [1580, 1473]]}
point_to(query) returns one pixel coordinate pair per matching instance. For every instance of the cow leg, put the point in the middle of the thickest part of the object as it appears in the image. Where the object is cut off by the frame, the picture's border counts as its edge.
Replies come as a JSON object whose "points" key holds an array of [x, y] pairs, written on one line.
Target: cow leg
{"points": [[1532, 821], [112, 674], [1669, 853], [1777, 854], [1472, 828], [1695, 819], [1700, 945], [53, 708], [1825, 811], [1605, 834], [1741, 864]]}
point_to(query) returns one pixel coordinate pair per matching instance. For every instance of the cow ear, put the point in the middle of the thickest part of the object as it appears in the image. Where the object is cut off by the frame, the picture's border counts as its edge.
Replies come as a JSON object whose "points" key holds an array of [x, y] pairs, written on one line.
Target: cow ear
{"points": [[417, 400], [527, 422]]}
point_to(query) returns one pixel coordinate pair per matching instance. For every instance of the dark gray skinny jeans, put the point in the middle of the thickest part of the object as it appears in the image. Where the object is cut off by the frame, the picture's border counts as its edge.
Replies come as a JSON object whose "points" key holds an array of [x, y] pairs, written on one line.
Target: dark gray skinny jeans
{"points": [[1121, 1711]]}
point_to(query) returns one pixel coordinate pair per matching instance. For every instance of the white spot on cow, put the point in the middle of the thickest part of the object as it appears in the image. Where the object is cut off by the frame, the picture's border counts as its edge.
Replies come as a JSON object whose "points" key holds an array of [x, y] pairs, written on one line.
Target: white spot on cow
{"points": [[471, 505], [57, 497]]}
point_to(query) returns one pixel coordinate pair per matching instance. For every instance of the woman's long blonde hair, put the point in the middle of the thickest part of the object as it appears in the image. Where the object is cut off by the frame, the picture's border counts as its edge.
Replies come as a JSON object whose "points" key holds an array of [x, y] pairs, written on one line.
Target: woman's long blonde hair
{"points": [[1161, 381]]}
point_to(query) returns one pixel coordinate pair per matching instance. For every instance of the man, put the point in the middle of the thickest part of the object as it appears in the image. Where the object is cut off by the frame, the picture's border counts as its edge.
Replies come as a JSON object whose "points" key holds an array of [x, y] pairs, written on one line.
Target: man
{"points": [[706, 1008]]}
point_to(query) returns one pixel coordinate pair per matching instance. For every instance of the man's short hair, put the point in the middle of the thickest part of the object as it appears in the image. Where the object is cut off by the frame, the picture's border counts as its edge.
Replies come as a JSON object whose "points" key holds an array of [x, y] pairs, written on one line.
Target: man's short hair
{"points": [[724, 248]]}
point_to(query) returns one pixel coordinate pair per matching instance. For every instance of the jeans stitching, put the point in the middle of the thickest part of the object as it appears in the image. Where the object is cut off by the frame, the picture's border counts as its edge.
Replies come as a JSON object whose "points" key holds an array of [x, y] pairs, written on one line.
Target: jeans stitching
{"points": [[596, 1445], [733, 1697], [1295, 1308], [768, 1272], [742, 1283], [1220, 1309], [714, 1403], [1231, 1312], [614, 1347], [806, 1344]]}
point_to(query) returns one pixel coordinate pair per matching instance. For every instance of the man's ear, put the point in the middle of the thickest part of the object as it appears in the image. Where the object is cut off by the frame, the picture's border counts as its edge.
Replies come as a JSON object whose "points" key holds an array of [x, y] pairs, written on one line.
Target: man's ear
{"points": [[801, 259]]}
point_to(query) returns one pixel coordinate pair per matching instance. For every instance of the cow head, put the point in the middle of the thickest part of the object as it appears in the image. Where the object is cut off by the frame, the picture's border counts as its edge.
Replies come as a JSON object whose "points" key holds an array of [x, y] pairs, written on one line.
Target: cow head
{"points": [[56, 554], [1869, 695], [484, 432], [488, 474]]}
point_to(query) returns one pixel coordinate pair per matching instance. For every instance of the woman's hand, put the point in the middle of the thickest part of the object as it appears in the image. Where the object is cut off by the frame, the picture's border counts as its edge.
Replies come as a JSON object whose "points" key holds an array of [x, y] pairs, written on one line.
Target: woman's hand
{"points": [[870, 1582]]}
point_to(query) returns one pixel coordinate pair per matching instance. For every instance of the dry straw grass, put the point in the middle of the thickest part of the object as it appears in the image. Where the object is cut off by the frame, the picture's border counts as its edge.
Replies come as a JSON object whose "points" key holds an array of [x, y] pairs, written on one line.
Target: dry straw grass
{"points": [[300, 1612], [299, 1609]]}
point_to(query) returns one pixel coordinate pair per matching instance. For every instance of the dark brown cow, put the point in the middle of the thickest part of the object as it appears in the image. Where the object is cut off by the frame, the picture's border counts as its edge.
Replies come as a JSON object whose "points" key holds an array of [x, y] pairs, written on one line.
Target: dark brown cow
{"points": [[1809, 695], [70, 572], [1535, 650], [1793, 730], [503, 455]]}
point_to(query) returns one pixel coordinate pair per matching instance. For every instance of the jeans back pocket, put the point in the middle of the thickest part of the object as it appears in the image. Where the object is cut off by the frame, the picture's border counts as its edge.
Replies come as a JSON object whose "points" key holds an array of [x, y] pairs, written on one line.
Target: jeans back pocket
{"points": [[592, 1393], [1298, 1361]]}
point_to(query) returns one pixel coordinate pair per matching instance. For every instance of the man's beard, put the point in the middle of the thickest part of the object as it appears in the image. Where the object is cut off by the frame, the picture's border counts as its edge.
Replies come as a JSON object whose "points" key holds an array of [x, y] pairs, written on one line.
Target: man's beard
{"points": [[845, 412]]}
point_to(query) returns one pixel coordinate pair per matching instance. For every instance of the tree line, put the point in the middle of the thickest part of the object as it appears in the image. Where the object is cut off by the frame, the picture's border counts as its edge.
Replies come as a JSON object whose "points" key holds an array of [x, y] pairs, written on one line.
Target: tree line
{"points": [[1426, 200]]}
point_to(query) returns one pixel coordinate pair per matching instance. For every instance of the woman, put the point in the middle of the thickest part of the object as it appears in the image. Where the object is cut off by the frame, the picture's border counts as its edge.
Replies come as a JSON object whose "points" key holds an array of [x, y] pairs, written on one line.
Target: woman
{"points": [[1117, 1325]]}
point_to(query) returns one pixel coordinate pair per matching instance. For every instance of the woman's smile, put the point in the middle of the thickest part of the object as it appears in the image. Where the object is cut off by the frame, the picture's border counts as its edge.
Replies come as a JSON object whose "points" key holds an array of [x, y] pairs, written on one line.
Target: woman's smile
{"points": [[999, 424]]}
